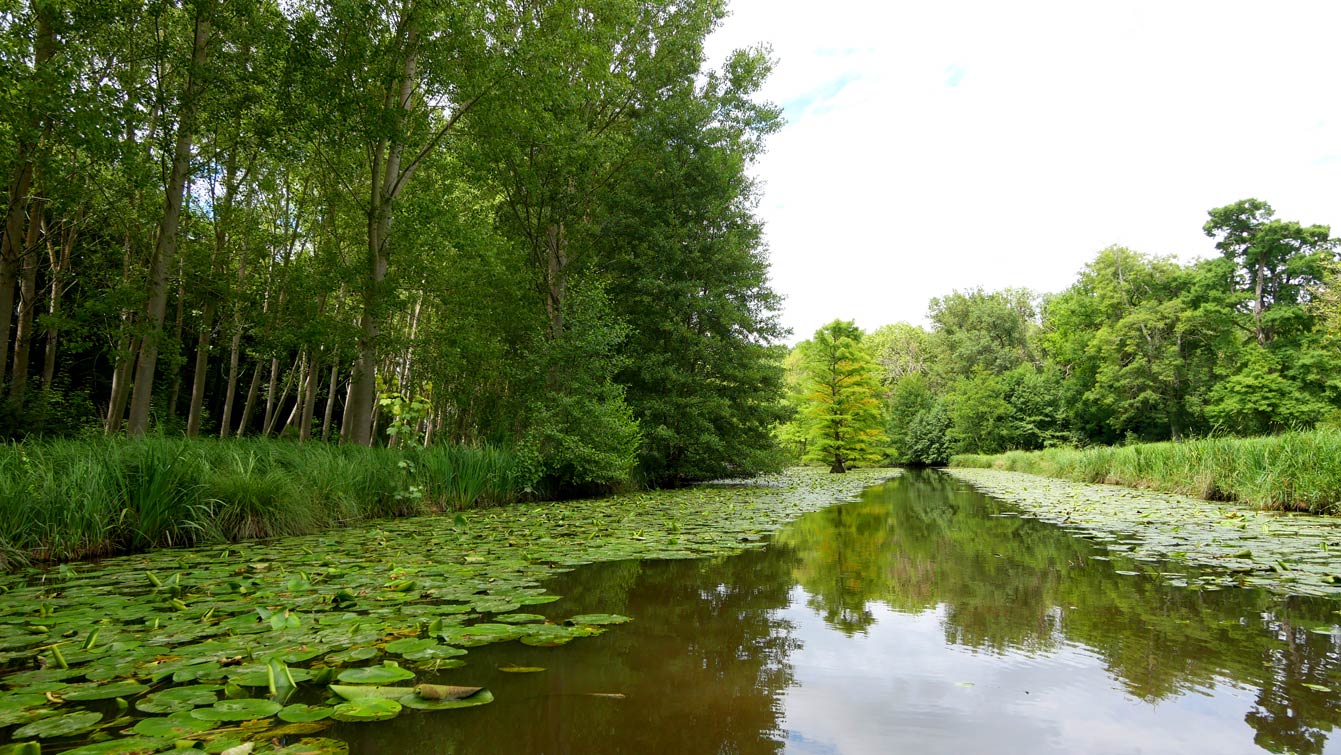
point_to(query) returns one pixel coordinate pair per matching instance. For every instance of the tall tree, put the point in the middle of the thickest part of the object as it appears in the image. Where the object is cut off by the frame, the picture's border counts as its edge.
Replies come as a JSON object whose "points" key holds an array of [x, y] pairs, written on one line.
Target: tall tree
{"points": [[841, 412]]}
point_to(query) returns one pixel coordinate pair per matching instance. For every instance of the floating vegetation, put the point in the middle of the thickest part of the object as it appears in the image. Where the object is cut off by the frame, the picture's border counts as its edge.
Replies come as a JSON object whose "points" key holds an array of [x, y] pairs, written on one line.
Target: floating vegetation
{"points": [[1230, 544], [264, 644]]}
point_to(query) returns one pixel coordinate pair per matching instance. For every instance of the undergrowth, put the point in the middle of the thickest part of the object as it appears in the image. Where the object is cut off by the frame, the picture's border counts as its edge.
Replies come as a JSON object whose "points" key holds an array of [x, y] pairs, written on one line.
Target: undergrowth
{"points": [[1297, 471], [73, 499]]}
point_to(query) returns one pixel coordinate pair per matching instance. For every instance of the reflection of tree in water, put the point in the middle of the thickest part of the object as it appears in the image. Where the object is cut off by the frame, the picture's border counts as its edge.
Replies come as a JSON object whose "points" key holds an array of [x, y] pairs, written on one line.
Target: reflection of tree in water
{"points": [[701, 668], [1005, 583]]}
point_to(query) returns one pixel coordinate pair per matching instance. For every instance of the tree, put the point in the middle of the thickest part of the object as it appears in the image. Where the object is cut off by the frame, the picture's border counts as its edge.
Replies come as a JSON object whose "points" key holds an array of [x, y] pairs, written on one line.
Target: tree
{"points": [[841, 413], [1278, 261]]}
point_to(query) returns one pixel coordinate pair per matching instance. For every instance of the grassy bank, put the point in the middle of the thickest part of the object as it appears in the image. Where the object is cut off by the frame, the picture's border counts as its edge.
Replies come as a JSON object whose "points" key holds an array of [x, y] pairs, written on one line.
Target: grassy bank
{"points": [[67, 500], [1298, 471]]}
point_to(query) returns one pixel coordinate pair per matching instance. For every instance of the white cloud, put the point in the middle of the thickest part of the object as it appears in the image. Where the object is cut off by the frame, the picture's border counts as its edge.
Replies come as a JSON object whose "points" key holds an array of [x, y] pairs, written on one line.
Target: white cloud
{"points": [[936, 146]]}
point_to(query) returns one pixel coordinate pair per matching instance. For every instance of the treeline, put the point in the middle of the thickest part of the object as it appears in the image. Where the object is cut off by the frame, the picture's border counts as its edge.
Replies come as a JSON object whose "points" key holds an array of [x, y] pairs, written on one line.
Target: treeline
{"points": [[516, 224], [1139, 348]]}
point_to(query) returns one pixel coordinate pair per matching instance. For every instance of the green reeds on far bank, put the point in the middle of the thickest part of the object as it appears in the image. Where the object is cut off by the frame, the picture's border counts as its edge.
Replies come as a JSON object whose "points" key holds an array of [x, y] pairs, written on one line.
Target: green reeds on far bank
{"points": [[73, 499], [1296, 471]]}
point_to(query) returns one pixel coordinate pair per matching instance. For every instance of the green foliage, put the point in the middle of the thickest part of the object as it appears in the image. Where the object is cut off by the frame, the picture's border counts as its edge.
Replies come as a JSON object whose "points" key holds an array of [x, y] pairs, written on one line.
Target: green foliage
{"points": [[1292, 471], [63, 500], [841, 410]]}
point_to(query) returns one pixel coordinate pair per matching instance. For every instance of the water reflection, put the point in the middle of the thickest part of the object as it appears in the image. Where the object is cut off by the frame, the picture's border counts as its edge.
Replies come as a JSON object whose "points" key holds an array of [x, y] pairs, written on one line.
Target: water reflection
{"points": [[915, 620]]}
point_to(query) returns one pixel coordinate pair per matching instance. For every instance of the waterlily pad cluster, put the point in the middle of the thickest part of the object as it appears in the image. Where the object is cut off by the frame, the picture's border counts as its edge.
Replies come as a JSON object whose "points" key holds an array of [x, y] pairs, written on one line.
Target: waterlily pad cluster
{"points": [[256, 647], [1228, 544]]}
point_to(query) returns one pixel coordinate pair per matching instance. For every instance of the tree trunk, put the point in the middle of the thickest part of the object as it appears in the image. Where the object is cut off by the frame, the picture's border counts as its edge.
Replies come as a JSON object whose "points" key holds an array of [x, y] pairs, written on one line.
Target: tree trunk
{"points": [[175, 393], [309, 403], [385, 185], [23, 334], [165, 249], [330, 404], [225, 421], [271, 387], [198, 375], [556, 254], [250, 406], [60, 264]]}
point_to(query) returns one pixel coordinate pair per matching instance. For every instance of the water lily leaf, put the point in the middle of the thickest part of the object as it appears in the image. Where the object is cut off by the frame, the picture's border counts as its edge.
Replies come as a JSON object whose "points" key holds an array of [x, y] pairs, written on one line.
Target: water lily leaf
{"points": [[521, 669], [175, 726], [367, 709], [107, 691], [519, 618], [435, 651], [409, 645], [483, 697], [360, 691], [315, 746], [60, 726], [353, 655], [177, 699], [245, 709], [130, 746], [444, 691], [598, 619], [1317, 687], [299, 713], [375, 675]]}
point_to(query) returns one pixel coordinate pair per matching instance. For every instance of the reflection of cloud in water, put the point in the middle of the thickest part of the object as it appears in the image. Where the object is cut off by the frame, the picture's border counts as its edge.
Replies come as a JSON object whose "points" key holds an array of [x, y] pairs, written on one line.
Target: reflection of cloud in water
{"points": [[901, 688]]}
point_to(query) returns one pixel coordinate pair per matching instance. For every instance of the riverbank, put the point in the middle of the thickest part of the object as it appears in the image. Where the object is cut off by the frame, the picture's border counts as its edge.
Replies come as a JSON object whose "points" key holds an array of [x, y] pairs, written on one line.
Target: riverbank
{"points": [[1297, 471], [78, 499], [1229, 544]]}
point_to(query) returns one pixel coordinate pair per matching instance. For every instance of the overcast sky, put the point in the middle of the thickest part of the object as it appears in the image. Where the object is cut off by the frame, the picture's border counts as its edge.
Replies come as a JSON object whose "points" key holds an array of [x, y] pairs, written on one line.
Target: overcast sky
{"points": [[933, 146]]}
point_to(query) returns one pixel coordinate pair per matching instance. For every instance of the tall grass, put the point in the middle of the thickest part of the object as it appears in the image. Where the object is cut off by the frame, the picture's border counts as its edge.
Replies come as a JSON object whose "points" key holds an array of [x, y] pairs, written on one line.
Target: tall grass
{"points": [[65, 500], [1297, 471]]}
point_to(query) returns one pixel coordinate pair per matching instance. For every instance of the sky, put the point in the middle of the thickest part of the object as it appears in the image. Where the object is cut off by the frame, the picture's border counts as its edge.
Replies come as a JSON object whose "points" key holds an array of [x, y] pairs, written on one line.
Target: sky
{"points": [[944, 145]]}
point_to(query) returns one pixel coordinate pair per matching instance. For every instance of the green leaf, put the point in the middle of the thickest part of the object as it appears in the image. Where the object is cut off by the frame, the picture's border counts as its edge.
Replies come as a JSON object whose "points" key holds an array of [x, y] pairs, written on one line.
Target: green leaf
{"points": [[598, 619], [299, 713], [60, 726], [483, 697], [175, 726], [246, 709], [367, 709], [107, 691], [375, 675]]}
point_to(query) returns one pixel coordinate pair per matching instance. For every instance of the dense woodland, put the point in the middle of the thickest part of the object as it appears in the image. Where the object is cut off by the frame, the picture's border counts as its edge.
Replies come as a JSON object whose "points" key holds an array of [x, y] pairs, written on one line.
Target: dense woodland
{"points": [[519, 224], [1139, 348]]}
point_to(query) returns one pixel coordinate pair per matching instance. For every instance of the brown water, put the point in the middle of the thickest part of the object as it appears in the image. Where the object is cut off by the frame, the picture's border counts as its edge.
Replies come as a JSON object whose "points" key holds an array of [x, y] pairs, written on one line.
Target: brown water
{"points": [[916, 621]]}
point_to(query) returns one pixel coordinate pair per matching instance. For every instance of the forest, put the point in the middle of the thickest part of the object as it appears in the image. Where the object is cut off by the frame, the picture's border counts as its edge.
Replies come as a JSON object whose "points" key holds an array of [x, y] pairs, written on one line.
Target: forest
{"points": [[1140, 348], [524, 225]]}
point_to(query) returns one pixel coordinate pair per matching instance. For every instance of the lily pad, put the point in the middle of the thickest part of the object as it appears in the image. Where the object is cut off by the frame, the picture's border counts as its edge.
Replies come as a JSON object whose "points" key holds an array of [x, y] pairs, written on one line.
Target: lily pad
{"points": [[129, 746], [175, 726], [521, 669], [599, 619], [362, 691], [409, 645], [107, 691], [483, 697], [176, 699], [302, 714], [246, 709], [384, 674], [60, 726], [315, 746], [367, 709]]}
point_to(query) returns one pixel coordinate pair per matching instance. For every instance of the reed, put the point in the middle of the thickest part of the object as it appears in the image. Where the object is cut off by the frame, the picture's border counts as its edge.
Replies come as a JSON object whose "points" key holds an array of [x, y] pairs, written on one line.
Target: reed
{"points": [[1296, 471], [73, 499]]}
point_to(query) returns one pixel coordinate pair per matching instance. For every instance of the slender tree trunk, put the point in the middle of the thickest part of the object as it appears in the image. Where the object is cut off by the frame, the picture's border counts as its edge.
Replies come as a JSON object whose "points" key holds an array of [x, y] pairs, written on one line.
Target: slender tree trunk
{"points": [[270, 395], [288, 383], [309, 403], [250, 405], [386, 184], [1259, 305], [165, 249], [198, 375], [60, 264], [556, 278], [225, 421], [23, 334], [177, 331], [330, 404]]}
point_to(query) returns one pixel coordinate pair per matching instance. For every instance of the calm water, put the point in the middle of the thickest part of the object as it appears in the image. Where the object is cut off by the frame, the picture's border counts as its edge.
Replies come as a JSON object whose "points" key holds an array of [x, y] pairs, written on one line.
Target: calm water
{"points": [[915, 620]]}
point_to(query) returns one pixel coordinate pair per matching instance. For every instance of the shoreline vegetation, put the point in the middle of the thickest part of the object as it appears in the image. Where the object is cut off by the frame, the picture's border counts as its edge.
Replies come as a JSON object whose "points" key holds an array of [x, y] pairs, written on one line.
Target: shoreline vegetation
{"points": [[80, 499], [1294, 471]]}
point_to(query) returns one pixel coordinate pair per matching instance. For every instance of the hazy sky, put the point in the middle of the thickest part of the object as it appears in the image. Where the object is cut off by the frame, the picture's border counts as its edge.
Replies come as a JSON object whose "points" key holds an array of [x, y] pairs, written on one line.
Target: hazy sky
{"points": [[935, 145]]}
